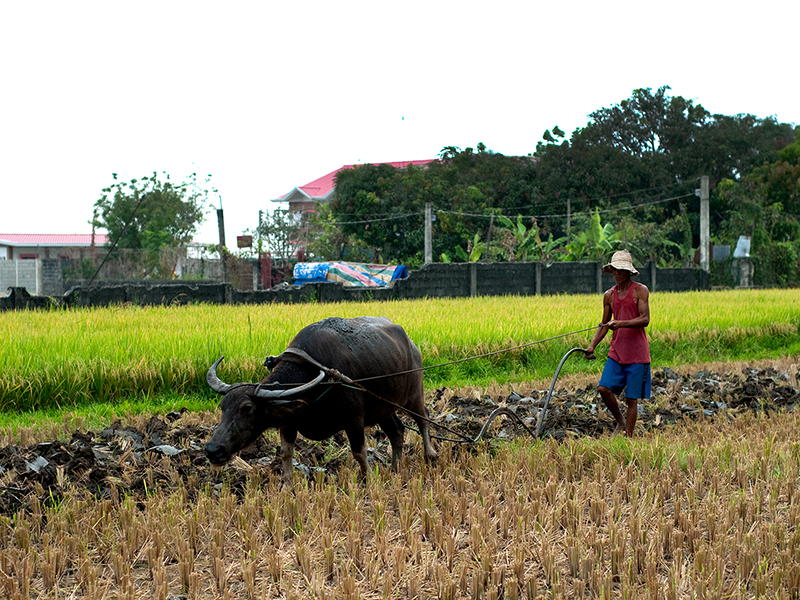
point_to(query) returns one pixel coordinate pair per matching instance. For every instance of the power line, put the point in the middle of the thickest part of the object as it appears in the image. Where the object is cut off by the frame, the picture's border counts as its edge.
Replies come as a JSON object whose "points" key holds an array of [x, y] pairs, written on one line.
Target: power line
{"points": [[506, 210], [608, 197], [608, 210], [378, 220], [489, 216]]}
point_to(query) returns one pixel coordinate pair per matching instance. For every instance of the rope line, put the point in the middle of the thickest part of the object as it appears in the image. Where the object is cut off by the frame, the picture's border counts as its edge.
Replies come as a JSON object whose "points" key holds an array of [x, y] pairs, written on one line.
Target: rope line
{"points": [[493, 352]]}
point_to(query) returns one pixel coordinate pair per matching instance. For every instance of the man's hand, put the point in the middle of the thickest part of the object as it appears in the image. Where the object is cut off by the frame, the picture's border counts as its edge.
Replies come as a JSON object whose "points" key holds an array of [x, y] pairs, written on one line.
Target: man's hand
{"points": [[613, 324], [588, 354]]}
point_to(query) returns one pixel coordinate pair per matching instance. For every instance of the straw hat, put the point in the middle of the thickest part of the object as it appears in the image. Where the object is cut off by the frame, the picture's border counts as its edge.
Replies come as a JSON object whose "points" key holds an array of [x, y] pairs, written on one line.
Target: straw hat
{"points": [[621, 261]]}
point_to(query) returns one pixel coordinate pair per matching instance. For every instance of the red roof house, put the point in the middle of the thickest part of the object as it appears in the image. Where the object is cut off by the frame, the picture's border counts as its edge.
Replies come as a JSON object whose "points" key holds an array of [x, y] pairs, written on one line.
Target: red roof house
{"points": [[50, 245], [304, 198]]}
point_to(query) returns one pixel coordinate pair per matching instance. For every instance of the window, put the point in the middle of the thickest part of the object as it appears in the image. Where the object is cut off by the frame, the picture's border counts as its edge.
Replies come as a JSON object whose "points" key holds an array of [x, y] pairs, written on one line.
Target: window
{"points": [[28, 256]]}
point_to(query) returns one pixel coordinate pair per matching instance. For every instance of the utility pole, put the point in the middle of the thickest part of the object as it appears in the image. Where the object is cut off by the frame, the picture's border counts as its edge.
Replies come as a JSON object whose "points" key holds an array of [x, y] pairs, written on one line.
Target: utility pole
{"points": [[489, 237], [705, 238], [221, 227], [428, 235], [569, 216]]}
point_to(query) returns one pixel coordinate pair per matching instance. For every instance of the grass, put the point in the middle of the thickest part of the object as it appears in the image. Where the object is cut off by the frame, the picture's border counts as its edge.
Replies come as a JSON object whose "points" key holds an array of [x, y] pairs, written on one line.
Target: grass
{"points": [[67, 358]]}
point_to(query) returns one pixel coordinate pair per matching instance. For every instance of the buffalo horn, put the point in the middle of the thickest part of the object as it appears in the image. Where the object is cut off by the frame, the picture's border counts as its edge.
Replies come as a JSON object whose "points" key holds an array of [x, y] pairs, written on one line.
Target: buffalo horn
{"points": [[274, 394], [215, 382]]}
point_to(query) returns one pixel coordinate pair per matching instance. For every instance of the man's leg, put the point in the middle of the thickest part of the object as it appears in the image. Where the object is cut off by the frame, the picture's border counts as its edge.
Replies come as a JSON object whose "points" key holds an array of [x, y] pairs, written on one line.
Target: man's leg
{"points": [[630, 417], [638, 385], [610, 400]]}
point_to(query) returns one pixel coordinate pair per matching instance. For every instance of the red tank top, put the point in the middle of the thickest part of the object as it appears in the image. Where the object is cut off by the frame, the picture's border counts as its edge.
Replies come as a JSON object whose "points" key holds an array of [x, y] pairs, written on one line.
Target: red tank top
{"points": [[628, 345]]}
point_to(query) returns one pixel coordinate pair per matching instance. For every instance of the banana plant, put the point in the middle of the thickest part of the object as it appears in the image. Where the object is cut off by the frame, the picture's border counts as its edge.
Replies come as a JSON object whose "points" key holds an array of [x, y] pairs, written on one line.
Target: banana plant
{"points": [[522, 238], [475, 249], [548, 247], [594, 243], [526, 244]]}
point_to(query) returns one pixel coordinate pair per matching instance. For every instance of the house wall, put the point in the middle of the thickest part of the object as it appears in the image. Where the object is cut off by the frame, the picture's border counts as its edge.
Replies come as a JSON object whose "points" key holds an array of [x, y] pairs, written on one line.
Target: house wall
{"points": [[45, 252]]}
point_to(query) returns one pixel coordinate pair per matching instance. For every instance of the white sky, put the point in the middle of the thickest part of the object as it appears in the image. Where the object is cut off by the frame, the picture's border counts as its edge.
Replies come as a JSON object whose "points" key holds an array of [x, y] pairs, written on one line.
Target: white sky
{"points": [[266, 96]]}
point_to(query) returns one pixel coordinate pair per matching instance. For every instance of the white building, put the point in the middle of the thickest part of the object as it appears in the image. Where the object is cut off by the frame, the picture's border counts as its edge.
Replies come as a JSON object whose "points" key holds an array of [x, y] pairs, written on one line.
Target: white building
{"points": [[46, 245]]}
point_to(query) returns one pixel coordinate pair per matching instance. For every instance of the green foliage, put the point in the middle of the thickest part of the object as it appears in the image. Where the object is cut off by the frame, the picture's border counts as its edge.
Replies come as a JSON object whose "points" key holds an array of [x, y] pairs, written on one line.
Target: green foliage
{"points": [[778, 264], [279, 233], [382, 207], [650, 147], [151, 212], [474, 251], [328, 241], [379, 207], [79, 269], [765, 205], [525, 244], [518, 240], [595, 242]]}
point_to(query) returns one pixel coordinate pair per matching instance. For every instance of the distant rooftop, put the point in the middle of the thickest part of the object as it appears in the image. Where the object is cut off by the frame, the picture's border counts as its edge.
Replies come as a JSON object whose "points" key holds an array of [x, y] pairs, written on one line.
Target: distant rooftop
{"points": [[52, 239], [321, 189]]}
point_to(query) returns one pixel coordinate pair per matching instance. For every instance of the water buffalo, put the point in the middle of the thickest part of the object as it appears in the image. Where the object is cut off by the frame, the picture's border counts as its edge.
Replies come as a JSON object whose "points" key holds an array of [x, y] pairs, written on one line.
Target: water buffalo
{"points": [[357, 348]]}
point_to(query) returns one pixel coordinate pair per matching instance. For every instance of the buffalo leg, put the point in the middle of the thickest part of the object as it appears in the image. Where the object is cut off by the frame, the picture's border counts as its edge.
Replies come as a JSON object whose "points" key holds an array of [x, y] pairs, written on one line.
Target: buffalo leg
{"points": [[417, 410], [288, 437], [430, 454], [394, 430], [358, 446]]}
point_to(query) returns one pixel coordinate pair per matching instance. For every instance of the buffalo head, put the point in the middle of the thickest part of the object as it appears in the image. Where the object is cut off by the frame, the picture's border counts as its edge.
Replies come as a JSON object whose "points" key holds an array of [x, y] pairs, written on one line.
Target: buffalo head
{"points": [[248, 409]]}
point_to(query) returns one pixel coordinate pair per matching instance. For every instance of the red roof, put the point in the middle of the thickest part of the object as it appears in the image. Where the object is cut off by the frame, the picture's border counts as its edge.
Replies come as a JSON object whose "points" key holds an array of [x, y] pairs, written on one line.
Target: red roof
{"points": [[52, 239], [320, 188]]}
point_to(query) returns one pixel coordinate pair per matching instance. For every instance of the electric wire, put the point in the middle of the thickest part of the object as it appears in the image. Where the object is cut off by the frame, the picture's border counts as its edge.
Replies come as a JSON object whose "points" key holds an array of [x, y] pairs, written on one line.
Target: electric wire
{"points": [[489, 216]]}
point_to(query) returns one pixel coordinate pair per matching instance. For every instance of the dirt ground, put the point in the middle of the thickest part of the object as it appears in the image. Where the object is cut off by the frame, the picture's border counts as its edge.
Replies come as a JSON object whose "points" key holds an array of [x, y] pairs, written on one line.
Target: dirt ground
{"points": [[131, 455]]}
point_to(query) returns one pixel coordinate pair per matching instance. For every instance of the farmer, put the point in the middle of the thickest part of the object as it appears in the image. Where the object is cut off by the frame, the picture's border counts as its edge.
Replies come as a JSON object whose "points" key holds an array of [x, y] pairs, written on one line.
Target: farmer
{"points": [[628, 363]]}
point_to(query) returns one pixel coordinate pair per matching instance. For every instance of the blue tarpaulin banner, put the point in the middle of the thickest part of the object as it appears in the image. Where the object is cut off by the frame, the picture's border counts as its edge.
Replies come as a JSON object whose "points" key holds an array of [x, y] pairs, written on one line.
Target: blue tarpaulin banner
{"points": [[349, 274]]}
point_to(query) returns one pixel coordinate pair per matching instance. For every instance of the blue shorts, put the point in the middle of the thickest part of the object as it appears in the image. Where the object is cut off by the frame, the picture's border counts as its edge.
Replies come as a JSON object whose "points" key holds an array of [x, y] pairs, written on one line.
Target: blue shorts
{"points": [[634, 378]]}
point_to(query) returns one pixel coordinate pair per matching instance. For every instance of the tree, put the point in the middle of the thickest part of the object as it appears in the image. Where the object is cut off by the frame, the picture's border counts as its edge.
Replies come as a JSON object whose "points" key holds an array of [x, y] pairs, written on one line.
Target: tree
{"points": [[649, 147], [327, 241], [765, 205], [381, 207], [152, 212], [280, 233]]}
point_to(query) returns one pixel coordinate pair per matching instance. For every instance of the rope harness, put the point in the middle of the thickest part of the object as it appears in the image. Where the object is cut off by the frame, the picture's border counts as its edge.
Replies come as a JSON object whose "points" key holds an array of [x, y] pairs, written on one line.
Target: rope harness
{"points": [[301, 357]]}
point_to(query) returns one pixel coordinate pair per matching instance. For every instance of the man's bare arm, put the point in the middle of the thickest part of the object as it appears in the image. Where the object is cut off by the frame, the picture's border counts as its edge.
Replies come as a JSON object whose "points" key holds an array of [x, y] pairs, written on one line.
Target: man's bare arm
{"points": [[601, 332]]}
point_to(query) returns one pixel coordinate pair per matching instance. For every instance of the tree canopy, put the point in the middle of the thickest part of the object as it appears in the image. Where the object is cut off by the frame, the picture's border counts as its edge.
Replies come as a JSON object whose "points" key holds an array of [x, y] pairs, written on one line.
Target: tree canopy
{"points": [[383, 206], [152, 212]]}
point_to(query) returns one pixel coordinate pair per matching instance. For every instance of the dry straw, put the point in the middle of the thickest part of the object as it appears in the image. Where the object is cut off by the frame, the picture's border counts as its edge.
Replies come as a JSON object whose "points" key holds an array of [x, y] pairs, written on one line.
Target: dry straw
{"points": [[709, 510]]}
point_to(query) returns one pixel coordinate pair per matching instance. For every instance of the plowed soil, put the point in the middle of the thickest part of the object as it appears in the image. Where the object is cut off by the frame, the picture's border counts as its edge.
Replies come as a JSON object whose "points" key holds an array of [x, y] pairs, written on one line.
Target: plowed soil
{"points": [[131, 456]]}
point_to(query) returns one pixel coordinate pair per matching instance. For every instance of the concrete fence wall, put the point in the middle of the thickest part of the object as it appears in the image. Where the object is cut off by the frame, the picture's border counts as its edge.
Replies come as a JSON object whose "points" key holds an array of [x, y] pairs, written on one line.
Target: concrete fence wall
{"points": [[440, 280], [21, 272]]}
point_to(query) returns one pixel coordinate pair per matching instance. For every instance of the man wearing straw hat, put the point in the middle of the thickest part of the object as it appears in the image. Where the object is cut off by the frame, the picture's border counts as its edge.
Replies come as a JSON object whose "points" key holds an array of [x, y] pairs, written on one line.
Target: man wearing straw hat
{"points": [[628, 363]]}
